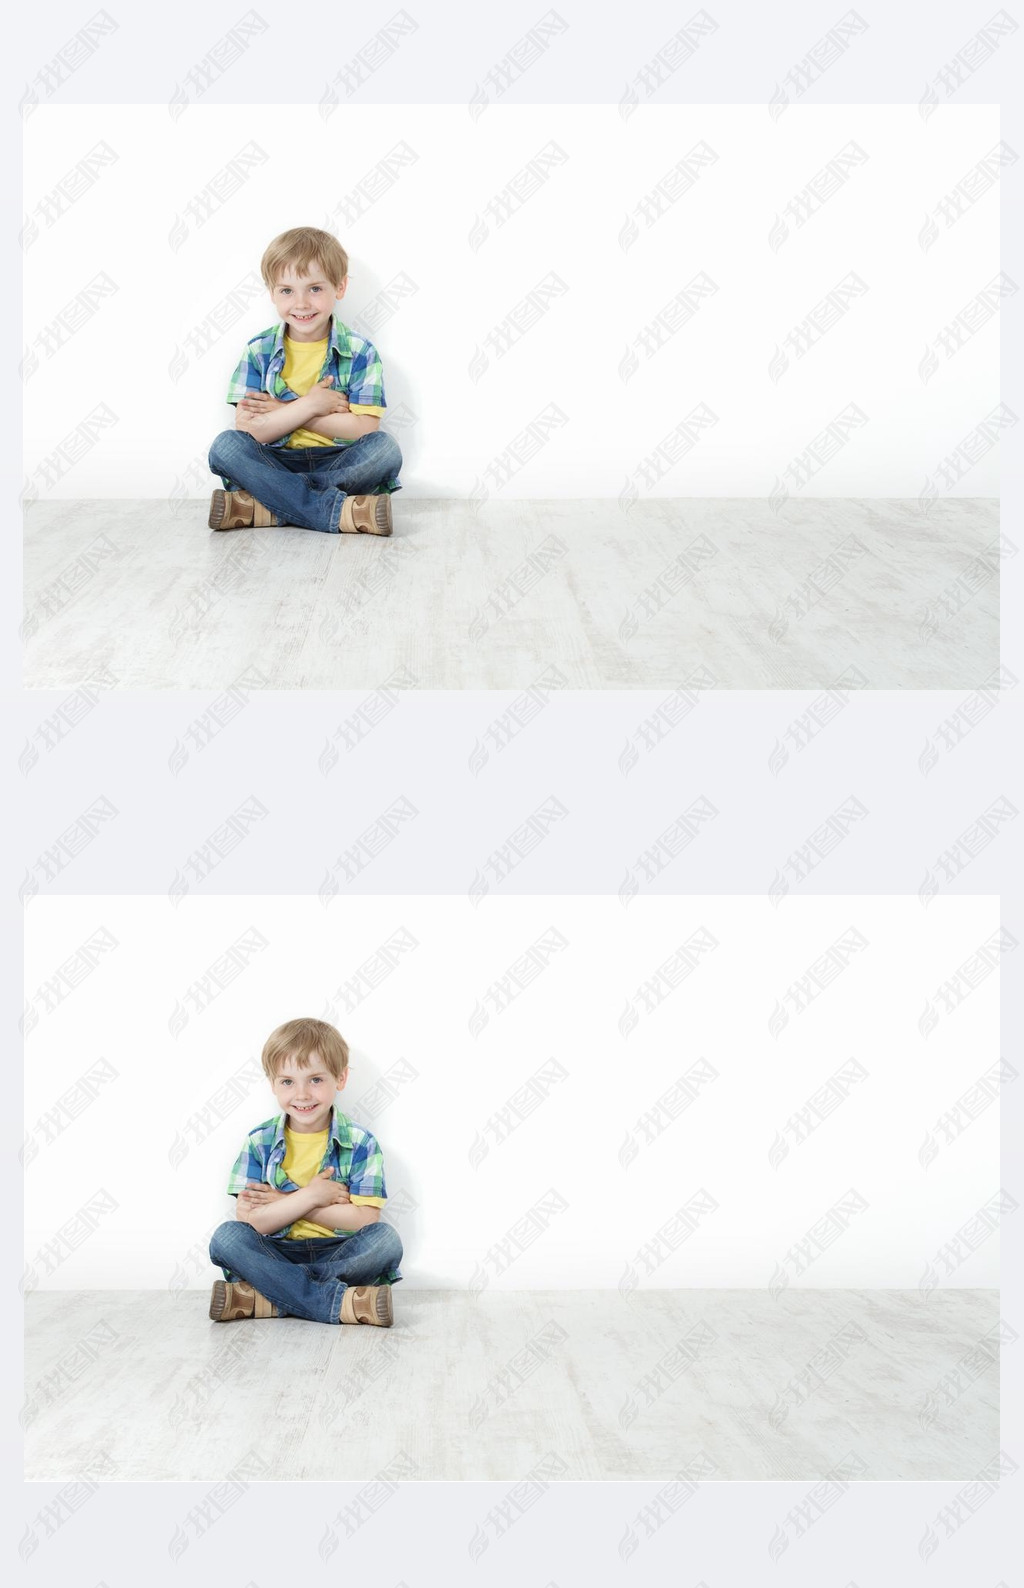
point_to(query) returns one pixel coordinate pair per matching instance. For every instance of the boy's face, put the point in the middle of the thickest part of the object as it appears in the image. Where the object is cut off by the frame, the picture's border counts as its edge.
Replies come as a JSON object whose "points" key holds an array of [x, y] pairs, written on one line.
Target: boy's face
{"points": [[305, 303], [307, 1096]]}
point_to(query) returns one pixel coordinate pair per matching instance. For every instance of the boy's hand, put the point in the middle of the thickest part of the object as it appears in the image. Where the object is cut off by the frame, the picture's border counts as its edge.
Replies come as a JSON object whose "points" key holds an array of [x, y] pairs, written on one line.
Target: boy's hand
{"points": [[322, 399], [258, 403], [259, 1195], [324, 1189]]}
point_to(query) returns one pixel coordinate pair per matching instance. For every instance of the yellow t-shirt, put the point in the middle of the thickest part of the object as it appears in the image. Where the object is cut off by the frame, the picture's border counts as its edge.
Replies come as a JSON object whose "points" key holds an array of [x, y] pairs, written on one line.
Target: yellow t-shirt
{"points": [[304, 1156], [303, 362]]}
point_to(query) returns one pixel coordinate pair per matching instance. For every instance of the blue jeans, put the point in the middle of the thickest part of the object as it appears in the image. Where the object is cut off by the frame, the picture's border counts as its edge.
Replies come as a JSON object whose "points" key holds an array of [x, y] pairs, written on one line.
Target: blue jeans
{"points": [[305, 485], [306, 1279]]}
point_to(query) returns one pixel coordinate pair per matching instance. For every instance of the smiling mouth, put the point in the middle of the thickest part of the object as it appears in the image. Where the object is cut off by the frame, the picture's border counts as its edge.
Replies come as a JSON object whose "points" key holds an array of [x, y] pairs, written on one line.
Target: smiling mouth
{"points": [[303, 316]]}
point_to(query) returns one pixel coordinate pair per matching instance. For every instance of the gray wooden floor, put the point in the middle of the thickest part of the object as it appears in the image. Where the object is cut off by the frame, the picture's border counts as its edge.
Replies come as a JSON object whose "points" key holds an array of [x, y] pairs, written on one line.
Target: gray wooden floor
{"points": [[870, 590], [467, 1386]]}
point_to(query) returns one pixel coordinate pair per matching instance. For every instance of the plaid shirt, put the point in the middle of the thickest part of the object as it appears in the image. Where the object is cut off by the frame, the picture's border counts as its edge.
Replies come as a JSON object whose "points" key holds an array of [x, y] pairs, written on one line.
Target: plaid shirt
{"points": [[353, 1154], [352, 360]]}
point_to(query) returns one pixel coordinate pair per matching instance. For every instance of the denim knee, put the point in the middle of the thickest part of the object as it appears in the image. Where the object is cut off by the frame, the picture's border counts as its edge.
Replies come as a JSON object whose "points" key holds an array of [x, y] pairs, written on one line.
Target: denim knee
{"points": [[228, 1237], [227, 447], [387, 451], [387, 1242]]}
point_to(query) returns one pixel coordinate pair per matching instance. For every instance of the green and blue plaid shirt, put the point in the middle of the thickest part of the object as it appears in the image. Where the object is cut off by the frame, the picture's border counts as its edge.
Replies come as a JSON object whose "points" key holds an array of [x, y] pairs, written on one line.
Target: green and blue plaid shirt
{"points": [[352, 360], [352, 1152]]}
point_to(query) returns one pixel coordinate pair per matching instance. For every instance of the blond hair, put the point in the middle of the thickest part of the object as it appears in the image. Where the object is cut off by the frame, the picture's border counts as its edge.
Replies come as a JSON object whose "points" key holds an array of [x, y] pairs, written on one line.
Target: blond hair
{"points": [[302, 247], [298, 1040]]}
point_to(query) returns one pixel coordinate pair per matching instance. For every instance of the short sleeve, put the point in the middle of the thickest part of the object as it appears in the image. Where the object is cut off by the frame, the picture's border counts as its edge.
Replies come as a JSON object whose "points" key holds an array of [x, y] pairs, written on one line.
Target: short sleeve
{"points": [[366, 382], [245, 1167], [245, 379], [373, 1202], [366, 1177], [366, 408]]}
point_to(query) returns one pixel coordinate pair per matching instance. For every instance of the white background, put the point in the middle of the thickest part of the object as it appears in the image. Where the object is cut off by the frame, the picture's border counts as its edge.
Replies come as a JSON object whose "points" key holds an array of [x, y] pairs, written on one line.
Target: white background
{"points": [[436, 266], [139, 1141]]}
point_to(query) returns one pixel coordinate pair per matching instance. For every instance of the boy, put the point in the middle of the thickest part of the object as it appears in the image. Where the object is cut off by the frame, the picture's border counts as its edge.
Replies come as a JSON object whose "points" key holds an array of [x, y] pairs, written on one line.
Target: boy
{"points": [[307, 1241], [307, 447]]}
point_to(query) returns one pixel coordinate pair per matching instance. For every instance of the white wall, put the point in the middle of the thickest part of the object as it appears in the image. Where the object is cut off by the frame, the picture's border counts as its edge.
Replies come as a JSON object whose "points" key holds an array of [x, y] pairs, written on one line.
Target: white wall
{"points": [[140, 1086], [126, 399]]}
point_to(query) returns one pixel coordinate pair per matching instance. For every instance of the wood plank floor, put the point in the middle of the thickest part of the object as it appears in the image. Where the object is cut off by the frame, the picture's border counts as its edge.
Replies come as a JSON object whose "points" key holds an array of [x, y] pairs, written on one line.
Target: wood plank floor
{"points": [[467, 1386], [724, 591]]}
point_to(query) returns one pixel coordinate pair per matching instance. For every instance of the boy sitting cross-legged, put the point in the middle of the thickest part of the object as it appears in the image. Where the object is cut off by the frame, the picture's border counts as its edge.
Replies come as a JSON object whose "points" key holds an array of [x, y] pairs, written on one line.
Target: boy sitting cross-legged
{"points": [[307, 1240]]}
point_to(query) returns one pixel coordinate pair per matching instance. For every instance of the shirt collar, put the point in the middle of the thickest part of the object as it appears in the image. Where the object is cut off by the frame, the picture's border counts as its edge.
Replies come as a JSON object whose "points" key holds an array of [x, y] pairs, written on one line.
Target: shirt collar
{"points": [[338, 339], [339, 1127]]}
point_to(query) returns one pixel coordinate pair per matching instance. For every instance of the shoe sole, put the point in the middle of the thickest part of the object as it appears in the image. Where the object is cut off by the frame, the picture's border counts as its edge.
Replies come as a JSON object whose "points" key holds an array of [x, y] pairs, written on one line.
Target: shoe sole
{"points": [[218, 1300], [382, 522], [382, 1306]]}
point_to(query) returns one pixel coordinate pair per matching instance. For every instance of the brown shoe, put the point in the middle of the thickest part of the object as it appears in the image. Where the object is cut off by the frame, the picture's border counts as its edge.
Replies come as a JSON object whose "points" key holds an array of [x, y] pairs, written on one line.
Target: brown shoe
{"points": [[366, 515], [239, 1300], [239, 510], [367, 1304]]}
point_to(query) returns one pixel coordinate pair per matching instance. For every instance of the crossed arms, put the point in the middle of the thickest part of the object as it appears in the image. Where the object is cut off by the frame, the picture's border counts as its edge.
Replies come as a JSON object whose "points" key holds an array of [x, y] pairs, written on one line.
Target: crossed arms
{"points": [[322, 409], [323, 1201]]}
